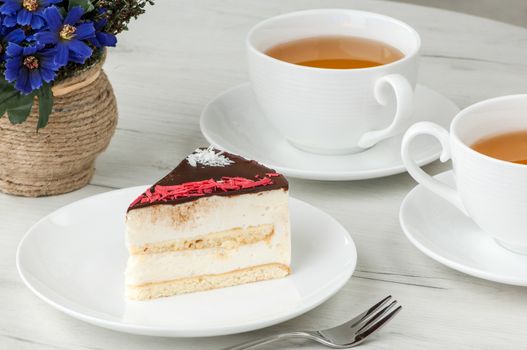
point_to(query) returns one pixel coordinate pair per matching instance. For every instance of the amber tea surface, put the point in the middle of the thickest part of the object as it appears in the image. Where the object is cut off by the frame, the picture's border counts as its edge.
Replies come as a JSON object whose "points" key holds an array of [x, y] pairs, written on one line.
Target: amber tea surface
{"points": [[511, 147], [336, 52]]}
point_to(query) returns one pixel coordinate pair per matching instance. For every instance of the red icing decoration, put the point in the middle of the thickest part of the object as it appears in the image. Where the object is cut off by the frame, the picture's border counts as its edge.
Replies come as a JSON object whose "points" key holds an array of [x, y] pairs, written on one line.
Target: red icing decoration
{"points": [[201, 188]]}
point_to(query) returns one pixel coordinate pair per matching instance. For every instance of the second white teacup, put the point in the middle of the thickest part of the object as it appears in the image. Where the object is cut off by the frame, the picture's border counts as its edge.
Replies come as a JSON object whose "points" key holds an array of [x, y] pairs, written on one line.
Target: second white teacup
{"points": [[492, 192], [334, 111]]}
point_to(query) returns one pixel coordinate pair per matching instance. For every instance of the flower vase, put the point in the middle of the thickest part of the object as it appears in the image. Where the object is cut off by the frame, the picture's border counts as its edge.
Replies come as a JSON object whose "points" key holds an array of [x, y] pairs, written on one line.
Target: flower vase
{"points": [[60, 157]]}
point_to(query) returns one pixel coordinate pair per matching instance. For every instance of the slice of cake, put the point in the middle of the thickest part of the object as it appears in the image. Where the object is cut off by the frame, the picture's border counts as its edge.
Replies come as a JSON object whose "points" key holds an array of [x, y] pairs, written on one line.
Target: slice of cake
{"points": [[216, 220]]}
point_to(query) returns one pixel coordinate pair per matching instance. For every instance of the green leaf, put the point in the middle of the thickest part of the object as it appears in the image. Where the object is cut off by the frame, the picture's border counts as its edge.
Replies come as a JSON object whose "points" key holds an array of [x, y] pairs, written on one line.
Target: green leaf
{"points": [[45, 105], [19, 114], [2, 110], [19, 107], [12, 102], [85, 4], [7, 92], [5, 97]]}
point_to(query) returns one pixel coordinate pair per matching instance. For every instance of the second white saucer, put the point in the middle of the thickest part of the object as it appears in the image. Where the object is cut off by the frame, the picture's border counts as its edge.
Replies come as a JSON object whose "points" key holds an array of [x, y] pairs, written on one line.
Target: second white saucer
{"points": [[442, 232], [234, 122]]}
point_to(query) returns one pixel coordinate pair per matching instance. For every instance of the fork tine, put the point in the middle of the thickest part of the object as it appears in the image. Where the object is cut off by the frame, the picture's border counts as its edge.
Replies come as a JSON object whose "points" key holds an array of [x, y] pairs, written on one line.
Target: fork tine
{"points": [[375, 316], [366, 331], [360, 317], [364, 315]]}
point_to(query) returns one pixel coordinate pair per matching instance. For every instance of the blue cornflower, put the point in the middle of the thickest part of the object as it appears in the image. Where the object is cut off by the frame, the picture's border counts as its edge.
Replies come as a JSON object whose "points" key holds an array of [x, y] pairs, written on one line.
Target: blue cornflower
{"points": [[25, 12], [8, 35], [67, 34], [29, 66], [102, 38]]}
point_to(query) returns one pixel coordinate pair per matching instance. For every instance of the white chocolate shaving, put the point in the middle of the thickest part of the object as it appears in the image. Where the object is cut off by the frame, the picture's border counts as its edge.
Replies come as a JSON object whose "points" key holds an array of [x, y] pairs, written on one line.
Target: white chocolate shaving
{"points": [[208, 157]]}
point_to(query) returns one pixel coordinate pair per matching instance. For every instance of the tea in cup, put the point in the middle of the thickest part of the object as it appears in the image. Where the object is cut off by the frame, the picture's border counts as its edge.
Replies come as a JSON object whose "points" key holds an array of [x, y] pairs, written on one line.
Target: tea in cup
{"points": [[334, 81], [488, 146]]}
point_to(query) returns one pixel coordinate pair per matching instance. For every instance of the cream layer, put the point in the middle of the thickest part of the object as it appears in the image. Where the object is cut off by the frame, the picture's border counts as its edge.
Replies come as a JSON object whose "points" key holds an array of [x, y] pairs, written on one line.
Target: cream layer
{"points": [[159, 223], [150, 268]]}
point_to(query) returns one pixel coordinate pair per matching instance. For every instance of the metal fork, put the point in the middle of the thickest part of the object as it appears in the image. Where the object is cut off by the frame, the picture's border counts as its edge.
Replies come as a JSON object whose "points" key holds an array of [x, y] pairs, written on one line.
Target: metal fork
{"points": [[344, 336]]}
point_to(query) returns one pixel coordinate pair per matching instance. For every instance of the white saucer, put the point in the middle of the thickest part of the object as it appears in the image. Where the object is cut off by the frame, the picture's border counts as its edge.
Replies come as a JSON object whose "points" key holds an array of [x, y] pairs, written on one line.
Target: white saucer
{"points": [[234, 122], [74, 260], [443, 233]]}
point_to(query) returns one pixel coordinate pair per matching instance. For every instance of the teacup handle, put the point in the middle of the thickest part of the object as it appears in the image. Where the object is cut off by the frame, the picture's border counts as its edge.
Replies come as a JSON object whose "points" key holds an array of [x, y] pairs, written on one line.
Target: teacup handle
{"points": [[403, 114], [439, 188]]}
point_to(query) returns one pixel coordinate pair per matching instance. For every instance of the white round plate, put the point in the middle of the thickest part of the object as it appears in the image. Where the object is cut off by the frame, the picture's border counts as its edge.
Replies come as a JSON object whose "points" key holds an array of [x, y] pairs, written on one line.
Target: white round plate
{"points": [[74, 260], [442, 232], [234, 122]]}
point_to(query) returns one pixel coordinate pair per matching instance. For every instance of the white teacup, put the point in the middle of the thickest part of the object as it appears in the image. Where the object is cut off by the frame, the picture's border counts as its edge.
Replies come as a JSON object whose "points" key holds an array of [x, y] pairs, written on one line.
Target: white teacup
{"points": [[334, 111], [490, 191]]}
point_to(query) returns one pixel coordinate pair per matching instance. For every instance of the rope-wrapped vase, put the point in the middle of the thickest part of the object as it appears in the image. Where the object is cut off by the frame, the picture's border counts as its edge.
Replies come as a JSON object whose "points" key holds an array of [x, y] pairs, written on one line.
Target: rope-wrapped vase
{"points": [[60, 157]]}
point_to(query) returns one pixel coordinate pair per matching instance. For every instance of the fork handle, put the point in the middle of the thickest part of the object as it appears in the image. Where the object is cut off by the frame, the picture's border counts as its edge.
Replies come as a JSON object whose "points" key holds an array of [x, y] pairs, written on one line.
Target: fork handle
{"points": [[271, 339]]}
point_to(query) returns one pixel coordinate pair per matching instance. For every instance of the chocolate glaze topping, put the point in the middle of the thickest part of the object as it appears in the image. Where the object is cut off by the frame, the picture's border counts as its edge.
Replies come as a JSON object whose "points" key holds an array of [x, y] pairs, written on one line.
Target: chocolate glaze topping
{"points": [[248, 169]]}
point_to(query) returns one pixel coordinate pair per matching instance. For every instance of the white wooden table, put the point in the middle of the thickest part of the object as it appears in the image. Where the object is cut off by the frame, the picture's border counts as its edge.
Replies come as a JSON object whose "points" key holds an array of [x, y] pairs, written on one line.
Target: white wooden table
{"points": [[183, 53]]}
